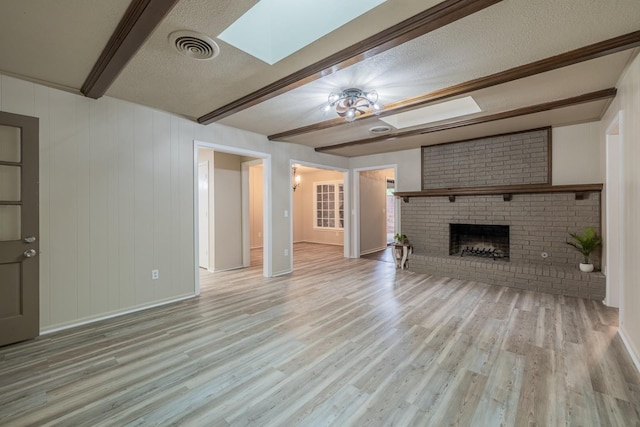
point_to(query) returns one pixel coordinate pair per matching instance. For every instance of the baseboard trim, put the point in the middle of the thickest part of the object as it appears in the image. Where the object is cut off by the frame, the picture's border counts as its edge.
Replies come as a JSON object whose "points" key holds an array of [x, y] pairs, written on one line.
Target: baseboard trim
{"points": [[370, 251], [281, 273], [320, 243], [112, 314], [630, 349], [227, 269]]}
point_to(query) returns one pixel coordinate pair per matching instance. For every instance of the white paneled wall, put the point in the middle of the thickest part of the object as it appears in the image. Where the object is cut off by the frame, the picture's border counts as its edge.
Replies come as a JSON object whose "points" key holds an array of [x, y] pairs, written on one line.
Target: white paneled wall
{"points": [[628, 102], [116, 201]]}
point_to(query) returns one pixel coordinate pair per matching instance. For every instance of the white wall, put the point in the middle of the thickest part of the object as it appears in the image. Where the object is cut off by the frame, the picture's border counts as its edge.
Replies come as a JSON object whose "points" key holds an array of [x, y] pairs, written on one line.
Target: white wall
{"points": [[575, 154], [628, 102], [409, 166], [227, 184]]}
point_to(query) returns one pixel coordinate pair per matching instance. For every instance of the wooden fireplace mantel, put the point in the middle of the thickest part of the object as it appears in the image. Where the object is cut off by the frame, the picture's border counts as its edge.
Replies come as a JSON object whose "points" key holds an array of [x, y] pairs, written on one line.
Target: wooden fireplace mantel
{"points": [[506, 191]]}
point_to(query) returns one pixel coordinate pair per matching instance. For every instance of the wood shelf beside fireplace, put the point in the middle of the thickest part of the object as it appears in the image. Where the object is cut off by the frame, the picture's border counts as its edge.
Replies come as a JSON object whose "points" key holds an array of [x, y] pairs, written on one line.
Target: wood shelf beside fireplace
{"points": [[506, 191]]}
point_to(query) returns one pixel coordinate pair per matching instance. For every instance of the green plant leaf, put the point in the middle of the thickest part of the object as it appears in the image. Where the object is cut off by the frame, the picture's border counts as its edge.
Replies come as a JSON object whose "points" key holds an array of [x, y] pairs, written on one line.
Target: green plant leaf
{"points": [[585, 242]]}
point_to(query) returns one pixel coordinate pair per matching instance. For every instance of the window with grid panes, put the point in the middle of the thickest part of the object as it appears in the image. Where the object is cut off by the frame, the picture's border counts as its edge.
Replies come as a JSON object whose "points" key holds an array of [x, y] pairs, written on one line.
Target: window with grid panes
{"points": [[329, 212]]}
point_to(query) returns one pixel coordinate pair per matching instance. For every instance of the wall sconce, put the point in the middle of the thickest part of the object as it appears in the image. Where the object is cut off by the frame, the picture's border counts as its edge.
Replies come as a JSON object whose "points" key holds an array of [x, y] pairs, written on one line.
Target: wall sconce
{"points": [[295, 178]]}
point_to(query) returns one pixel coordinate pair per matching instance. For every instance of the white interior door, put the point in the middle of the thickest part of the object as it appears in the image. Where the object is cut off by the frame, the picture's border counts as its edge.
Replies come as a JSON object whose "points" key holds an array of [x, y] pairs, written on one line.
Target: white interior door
{"points": [[203, 213]]}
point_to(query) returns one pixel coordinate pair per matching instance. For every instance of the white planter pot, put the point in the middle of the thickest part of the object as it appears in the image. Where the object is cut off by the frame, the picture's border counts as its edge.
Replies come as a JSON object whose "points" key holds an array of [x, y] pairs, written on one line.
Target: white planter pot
{"points": [[587, 268]]}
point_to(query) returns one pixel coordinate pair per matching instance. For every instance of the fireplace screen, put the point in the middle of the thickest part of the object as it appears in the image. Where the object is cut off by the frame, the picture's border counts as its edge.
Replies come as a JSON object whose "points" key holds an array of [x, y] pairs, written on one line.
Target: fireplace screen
{"points": [[481, 240]]}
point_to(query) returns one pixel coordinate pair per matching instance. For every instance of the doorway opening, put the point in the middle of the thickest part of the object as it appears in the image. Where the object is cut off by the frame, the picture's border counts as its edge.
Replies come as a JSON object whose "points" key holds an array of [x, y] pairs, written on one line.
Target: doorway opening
{"points": [[222, 208], [376, 209], [319, 211]]}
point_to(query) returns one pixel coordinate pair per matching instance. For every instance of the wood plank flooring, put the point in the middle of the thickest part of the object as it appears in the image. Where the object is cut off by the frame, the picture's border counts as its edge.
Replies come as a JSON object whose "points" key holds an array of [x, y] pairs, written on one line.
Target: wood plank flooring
{"points": [[338, 342]]}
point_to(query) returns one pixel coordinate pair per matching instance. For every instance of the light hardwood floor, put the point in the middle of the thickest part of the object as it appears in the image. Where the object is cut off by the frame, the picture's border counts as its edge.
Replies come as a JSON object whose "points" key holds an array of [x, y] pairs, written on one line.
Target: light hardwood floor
{"points": [[341, 342]]}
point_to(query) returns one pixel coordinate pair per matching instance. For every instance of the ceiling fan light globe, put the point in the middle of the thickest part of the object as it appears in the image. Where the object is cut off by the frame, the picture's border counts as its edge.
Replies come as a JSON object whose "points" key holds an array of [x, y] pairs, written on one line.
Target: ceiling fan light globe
{"points": [[372, 96]]}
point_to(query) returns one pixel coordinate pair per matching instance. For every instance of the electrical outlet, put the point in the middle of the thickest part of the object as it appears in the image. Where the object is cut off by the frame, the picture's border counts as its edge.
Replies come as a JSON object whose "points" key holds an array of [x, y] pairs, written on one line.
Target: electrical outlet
{"points": [[286, 252], [155, 274]]}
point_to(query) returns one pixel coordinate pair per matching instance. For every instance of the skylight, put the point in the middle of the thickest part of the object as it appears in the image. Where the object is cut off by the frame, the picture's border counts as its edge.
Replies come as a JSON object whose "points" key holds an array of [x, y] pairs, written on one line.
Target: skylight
{"points": [[274, 29], [433, 113]]}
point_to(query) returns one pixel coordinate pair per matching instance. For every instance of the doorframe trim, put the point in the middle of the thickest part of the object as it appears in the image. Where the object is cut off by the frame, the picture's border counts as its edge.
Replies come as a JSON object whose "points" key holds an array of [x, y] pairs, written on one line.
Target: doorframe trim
{"points": [[617, 120], [246, 211], [205, 163]]}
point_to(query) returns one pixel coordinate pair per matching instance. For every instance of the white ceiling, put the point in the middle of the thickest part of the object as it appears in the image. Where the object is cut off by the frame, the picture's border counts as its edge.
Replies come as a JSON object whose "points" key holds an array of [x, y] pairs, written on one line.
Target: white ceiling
{"points": [[58, 42]]}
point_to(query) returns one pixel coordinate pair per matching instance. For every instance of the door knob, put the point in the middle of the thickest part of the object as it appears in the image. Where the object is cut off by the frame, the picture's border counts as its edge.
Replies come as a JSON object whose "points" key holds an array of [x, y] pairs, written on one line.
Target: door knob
{"points": [[30, 253], [29, 239]]}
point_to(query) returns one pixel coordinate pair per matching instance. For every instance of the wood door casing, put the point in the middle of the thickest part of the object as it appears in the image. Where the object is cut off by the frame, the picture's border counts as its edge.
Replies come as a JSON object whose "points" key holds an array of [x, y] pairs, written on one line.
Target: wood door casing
{"points": [[19, 274]]}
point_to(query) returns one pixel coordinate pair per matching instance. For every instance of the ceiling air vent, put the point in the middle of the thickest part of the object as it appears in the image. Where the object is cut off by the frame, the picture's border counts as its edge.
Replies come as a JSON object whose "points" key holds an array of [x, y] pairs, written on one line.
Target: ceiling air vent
{"points": [[194, 45], [379, 129]]}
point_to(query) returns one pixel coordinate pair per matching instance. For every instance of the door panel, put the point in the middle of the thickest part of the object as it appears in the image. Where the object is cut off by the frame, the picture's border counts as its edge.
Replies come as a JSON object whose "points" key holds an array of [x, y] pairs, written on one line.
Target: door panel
{"points": [[10, 223], [10, 301], [10, 183], [9, 143], [19, 271]]}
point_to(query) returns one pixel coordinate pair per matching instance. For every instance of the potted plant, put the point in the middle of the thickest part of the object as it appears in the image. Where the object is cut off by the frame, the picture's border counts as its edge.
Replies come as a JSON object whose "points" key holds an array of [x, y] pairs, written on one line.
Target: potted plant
{"points": [[401, 238], [585, 243]]}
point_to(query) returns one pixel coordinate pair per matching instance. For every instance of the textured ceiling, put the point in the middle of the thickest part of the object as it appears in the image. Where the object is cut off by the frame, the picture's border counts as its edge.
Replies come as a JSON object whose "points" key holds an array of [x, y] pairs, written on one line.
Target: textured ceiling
{"points": [[58, 42], [193, 88]]}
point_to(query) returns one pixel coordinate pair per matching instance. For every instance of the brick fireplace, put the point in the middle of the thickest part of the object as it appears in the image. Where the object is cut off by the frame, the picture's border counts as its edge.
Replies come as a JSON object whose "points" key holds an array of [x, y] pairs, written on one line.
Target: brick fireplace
{"points": [[538, 218]]}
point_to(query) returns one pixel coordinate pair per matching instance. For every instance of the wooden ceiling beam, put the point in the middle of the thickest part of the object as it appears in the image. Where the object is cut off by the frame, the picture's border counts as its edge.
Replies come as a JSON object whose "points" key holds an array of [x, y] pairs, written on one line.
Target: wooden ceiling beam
{"points": [[138, 22], [593, 51], [532, 109], [429, 20]]}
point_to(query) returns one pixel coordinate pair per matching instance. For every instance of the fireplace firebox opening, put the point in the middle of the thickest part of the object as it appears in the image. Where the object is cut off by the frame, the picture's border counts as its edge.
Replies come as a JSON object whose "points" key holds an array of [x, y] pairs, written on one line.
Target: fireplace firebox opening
{"points": [[480, 240]]}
